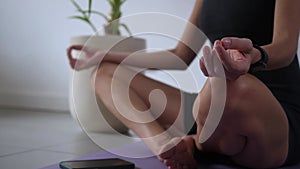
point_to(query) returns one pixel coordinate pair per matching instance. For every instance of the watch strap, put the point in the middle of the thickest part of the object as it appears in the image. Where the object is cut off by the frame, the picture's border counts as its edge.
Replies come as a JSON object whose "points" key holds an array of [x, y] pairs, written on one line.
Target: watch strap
{"points": [[262, 63]]}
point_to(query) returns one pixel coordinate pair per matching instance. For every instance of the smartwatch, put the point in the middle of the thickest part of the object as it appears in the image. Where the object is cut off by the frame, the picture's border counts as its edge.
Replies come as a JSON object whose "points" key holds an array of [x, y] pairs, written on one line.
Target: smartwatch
{"points": [[262, 63]]}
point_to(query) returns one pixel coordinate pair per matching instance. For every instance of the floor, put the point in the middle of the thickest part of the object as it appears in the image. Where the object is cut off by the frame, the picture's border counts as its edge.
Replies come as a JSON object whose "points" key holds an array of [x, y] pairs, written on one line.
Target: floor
{"points": [[35, 139]]}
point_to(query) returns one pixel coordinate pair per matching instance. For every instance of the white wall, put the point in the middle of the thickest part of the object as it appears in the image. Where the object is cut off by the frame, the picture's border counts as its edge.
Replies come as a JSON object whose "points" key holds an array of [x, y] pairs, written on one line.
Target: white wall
{"points": [[34, 35]]}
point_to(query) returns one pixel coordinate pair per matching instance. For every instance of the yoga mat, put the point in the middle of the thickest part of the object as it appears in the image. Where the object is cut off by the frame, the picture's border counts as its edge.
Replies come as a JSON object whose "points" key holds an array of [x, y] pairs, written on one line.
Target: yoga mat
{"points": [[148, 162]]}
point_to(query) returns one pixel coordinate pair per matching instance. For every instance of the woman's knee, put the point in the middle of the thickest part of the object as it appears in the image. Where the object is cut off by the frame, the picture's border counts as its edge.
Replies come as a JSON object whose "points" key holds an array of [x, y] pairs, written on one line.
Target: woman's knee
{"points": [[241, 88], [241, 93], [247, 112], [235, 92], [104, 71]]}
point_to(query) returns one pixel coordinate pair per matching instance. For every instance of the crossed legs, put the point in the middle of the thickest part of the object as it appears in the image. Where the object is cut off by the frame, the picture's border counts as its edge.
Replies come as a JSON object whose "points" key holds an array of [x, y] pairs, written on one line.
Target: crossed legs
{"points": [[253, 130]]}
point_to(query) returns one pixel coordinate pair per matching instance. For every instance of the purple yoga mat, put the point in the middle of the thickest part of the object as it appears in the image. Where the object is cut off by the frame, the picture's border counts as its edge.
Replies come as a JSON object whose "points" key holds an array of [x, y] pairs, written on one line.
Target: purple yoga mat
{"points": [[148, 162], [137, 147]]}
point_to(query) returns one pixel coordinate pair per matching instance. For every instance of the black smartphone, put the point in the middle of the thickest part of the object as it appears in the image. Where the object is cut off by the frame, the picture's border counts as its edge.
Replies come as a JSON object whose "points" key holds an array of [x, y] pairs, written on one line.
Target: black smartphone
{"points": [[111, 163]]}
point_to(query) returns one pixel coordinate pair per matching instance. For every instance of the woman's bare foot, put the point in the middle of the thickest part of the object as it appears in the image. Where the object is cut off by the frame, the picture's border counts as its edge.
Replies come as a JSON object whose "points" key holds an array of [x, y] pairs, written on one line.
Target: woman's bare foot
{"points": [[179, 153]]}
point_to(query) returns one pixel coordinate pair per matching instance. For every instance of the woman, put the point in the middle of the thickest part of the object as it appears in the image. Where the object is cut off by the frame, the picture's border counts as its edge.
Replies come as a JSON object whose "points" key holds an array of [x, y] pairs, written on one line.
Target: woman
{"points": [[260, 126]]}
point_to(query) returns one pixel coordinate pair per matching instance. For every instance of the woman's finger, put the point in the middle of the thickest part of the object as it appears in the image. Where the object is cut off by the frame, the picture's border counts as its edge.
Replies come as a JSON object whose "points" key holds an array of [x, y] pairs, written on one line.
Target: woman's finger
{"points": [[202, 66], [72, 61], [221, 52], [210, 64], [76, 47], [87, 50], [208, 61], [241, 44]]}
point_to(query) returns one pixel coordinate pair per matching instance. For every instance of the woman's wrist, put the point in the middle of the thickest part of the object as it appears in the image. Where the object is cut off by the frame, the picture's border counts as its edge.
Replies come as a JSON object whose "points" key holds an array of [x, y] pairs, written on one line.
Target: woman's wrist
{"points": [[255, 56], [110, 56], [261, 63]]}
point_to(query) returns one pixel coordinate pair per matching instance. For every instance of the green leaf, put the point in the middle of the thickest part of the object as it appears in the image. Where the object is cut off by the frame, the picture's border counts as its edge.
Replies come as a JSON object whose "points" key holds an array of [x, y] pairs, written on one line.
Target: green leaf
{"points": [[76, 5], [90, 8], [79, 9], [98, 13], [114, 14], [112, 3], [80, 18], [85, 19]]}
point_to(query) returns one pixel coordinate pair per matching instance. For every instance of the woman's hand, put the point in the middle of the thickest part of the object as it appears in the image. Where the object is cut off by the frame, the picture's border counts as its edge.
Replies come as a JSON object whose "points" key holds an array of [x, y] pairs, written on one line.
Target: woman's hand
{"points": [[91, 57], [236, 55]]}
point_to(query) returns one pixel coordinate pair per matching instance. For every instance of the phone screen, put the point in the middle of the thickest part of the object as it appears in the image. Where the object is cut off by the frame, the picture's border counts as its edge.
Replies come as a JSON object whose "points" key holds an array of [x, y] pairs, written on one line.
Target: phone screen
{"points": [[97, 164]]}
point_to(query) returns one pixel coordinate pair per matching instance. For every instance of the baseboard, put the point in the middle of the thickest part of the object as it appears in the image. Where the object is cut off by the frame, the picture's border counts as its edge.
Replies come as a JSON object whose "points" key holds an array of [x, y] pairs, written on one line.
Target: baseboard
{"points": [[39, 101]]}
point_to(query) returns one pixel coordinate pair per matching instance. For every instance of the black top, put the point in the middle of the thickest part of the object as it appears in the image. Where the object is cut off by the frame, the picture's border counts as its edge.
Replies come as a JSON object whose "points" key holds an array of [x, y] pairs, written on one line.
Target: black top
{"points": [[252, 19]]}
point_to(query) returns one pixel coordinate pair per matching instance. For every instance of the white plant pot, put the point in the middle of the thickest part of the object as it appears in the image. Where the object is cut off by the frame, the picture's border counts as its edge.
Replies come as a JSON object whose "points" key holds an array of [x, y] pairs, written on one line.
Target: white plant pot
{"points": [[84, 104]]}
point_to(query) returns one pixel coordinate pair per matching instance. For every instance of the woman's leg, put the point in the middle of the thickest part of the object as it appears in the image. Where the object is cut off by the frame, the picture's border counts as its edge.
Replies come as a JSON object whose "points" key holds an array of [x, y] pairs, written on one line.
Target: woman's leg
{"points": [[253, 130], [139, 90]]}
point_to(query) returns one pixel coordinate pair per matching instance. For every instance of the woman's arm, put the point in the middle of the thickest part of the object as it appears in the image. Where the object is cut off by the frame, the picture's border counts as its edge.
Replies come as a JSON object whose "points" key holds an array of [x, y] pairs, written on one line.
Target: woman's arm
{"points": [[186, 49], [285, 38], [237, 54], [177, 58]]}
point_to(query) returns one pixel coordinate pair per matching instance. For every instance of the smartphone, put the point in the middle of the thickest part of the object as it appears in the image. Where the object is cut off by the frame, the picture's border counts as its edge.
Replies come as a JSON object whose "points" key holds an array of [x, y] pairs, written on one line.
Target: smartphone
{"points": [[111, 163]]}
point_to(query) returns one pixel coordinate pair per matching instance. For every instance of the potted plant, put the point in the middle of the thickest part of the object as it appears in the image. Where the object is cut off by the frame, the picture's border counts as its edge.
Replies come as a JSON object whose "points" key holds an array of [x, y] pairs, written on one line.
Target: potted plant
{"points": [[112, 27], [84, 104]]}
